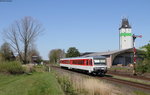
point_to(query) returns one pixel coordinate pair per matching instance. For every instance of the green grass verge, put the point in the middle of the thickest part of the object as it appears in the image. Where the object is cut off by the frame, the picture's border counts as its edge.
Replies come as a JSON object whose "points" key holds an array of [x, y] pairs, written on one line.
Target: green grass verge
{"points": [[36, 84], [140, 93]]}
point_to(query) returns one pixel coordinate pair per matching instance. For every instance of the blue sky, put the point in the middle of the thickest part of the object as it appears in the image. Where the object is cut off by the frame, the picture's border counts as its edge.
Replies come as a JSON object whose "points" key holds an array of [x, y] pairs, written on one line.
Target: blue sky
{"points": [[88, 25]]}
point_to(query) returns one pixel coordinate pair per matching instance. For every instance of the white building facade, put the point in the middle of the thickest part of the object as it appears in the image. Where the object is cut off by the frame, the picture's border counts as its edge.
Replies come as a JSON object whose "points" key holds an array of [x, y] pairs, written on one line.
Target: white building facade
{"points": [[125, 35]]}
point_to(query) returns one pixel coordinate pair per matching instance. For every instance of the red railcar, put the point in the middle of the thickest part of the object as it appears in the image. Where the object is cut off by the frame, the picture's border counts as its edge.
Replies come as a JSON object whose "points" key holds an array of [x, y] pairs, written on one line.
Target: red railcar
{"points": [[96, 65]]}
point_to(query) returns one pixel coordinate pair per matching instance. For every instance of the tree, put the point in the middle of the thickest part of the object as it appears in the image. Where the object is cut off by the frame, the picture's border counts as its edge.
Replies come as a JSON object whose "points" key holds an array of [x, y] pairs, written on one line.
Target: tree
{"points": [[72, 52], [34, 53], [146, 53], [21, 34], [55, 55], [6, 52], [0, 57]]}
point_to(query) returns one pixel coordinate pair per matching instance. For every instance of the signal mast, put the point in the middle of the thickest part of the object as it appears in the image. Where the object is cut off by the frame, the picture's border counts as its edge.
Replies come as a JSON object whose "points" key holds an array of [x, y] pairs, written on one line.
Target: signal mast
{"points": [[134, 51]]}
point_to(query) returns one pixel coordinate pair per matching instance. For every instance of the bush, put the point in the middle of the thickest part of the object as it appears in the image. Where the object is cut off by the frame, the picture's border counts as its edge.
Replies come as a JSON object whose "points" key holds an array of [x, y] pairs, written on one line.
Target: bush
{"points": [[142, 68], [148, 67], [13, 67], [40, 68], [28, 68]]}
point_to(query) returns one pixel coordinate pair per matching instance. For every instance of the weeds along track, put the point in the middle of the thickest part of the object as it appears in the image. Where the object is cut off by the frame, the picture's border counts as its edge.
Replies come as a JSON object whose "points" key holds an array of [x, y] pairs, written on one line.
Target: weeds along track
{"points": [[128, 75], [111, 79]]}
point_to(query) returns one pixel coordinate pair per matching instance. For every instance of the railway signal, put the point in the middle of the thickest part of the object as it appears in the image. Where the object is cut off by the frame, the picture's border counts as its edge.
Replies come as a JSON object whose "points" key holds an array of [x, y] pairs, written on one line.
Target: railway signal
{"points": [[134, 51]]}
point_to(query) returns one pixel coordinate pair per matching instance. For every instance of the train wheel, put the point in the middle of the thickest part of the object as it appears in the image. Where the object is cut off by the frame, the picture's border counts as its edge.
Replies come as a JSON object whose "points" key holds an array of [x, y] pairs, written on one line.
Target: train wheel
{"points": [[101, 74], [93, 74]]}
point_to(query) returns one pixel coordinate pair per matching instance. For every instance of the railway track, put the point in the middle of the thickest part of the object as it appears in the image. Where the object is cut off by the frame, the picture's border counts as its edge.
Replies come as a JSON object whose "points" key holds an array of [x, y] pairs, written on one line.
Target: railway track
{"points": [[129, 76], [125, 82], [111, 79]]}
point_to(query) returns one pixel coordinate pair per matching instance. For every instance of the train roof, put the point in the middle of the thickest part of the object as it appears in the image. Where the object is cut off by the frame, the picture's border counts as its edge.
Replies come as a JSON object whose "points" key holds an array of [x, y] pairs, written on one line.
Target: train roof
{"points": [[91, 57]]}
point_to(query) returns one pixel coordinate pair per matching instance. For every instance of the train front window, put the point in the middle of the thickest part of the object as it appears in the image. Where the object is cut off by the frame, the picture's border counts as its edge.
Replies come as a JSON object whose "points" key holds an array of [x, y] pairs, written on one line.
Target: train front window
{"points": [[99, 61]]}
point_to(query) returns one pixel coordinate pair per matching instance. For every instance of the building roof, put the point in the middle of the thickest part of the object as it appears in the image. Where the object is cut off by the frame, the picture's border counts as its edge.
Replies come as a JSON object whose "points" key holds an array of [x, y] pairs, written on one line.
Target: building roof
{"points": [[125, 23], [108, 52]]}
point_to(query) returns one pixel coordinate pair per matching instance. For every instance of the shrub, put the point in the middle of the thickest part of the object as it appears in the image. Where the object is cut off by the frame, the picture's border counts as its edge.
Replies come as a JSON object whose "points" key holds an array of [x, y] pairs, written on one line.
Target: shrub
{"points": [[40, 68], [141, 68], [13, 67], [28, 68], [148, 67]]}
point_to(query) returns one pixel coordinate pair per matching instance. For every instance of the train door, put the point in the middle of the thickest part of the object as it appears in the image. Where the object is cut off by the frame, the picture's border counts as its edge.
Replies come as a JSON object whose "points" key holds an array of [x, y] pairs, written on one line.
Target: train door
{"points": [[90, 62]]}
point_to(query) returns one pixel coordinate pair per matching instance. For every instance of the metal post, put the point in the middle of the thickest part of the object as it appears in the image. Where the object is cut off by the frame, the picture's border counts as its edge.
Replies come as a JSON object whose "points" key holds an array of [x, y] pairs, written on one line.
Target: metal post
{"points": [[134, 60], [134, 52], [134, 55], [49, 69]]}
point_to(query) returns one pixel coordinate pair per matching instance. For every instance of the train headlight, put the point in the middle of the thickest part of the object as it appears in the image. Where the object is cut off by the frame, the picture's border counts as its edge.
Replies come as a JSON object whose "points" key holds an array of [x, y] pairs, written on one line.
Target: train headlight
{"points": [[103, 68], [100, 68]]}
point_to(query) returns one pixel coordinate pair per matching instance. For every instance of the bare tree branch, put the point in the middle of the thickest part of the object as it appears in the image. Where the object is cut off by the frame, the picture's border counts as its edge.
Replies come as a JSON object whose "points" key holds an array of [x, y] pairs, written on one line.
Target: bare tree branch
{"points": [[21, 34]]}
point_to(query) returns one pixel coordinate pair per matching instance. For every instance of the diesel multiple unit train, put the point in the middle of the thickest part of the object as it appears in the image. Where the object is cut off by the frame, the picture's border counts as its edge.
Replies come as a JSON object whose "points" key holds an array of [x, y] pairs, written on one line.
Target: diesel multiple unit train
{"points": [[93, 65]]}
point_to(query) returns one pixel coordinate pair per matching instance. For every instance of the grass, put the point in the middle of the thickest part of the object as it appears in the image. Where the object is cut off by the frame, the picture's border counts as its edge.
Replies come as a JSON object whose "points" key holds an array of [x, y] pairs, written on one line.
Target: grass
{"points": [[86, 85], [140, 93], [81, 85], [41, 83]]}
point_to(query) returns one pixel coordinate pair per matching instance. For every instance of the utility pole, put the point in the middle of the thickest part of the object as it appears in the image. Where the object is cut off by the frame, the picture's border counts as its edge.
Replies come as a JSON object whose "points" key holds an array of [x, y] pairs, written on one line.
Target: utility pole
{"points": [[134, 51]]}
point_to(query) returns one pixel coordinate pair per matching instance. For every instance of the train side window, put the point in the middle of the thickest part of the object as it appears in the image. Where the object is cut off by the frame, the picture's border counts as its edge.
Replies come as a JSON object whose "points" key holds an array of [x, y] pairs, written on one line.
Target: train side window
{"points": [[68, 61], [75, 62], [91, 62], [87, 62], [79, 62], [82, 62]]}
